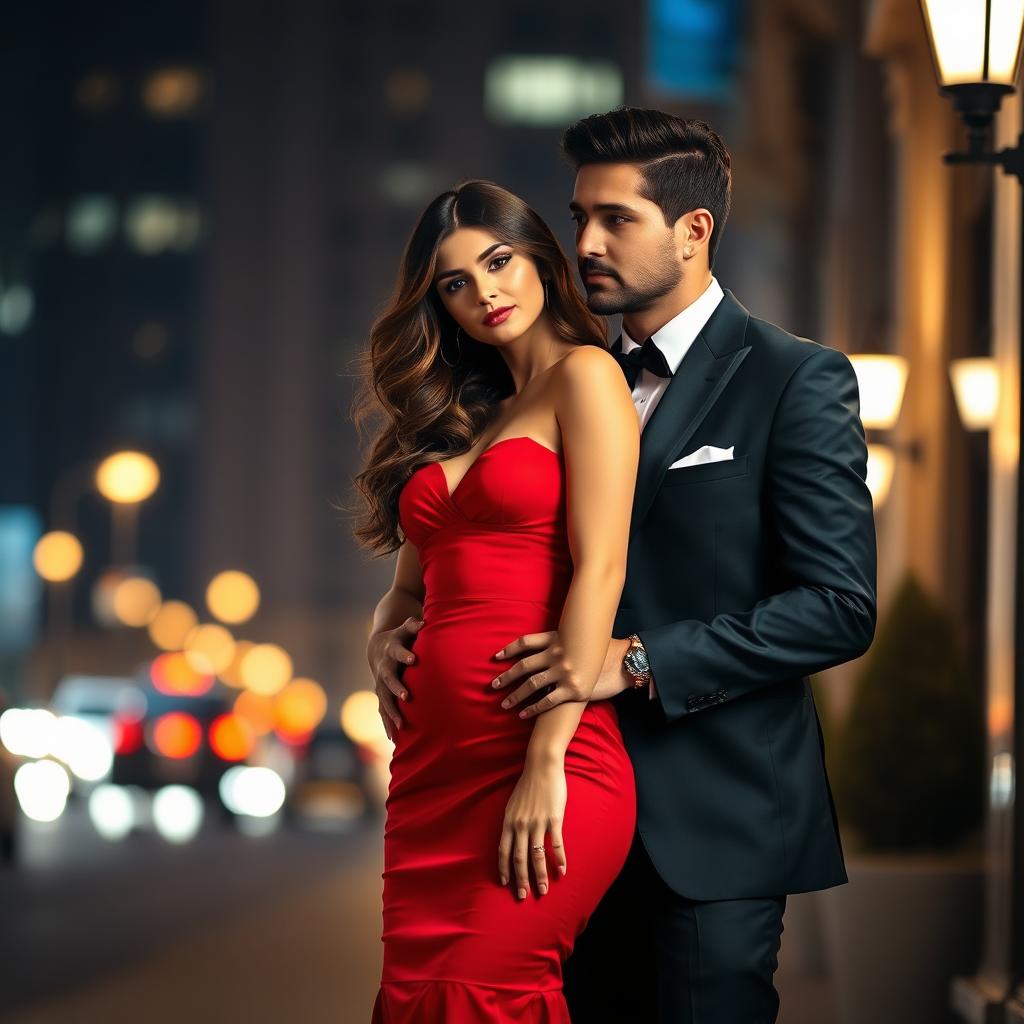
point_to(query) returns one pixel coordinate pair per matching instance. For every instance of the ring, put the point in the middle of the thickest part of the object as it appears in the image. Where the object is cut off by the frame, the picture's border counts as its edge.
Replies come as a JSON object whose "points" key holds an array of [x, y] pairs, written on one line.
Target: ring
{"points": [[541, 847]]}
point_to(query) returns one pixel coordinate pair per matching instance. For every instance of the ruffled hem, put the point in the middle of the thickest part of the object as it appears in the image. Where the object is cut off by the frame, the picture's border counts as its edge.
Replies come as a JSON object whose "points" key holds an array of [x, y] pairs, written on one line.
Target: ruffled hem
{"points": [[458, 1002]]}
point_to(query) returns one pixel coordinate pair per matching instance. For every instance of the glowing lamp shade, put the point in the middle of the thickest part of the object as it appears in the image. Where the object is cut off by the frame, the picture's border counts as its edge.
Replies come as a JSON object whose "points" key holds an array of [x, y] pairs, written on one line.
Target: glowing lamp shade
{"points": [[127, 477], [975, 41], [57, 556], [881, 381], [976, 386], [881, 465]]}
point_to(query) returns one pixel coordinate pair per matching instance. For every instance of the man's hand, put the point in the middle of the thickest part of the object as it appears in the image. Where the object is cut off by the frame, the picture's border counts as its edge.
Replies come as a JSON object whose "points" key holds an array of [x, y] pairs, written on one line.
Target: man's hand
{"points": [[547, 667], [385, 651]]}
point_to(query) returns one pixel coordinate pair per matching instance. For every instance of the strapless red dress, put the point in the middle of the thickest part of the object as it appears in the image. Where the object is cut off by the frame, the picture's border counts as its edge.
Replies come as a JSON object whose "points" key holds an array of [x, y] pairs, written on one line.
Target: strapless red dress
{"points": [[459, 947]]}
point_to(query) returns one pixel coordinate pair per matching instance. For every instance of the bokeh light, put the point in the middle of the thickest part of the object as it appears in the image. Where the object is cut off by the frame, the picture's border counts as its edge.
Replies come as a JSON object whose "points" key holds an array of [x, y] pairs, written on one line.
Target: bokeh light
{"points": [[135, 600], [209, 648], [57, 556], [127, 477], [360, 717], [257, 709], [42, 789], [172, 92], [176, 734], [111, 811], [231, 737], [299, 708], [258, 792], [177, 813], [91, 223], [233, 596], [266, 668], [82, 746], [28, 732], [172, 673], [173, 621]]}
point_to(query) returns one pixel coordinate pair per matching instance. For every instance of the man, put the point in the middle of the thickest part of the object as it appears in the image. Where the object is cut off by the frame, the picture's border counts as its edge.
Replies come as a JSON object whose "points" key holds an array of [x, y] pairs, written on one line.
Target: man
{"points": [[751, 566]]}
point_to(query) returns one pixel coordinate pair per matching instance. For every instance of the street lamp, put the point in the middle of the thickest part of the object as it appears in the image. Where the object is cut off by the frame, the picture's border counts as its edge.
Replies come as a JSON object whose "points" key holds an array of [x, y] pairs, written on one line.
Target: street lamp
{"points": [[976, 48], [976, 388], [881, 382]]}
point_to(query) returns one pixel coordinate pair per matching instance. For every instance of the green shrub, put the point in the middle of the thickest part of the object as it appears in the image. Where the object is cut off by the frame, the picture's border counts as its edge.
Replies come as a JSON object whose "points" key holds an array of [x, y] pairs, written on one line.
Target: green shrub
{"points": [[909, 765]]}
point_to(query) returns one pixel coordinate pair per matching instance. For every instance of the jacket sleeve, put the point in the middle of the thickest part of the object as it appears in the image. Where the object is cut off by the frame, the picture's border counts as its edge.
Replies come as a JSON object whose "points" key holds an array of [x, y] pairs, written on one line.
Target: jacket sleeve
{"points": [[820, 526]]}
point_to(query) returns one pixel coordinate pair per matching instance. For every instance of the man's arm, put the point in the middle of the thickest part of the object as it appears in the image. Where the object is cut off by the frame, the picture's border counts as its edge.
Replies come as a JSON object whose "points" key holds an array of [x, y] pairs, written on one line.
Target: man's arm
{"points": [[822, 526]]}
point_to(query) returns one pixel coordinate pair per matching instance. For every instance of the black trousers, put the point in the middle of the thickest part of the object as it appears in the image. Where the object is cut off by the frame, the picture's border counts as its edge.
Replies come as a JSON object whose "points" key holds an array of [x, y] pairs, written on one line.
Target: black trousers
{"points": [[651, 956]]}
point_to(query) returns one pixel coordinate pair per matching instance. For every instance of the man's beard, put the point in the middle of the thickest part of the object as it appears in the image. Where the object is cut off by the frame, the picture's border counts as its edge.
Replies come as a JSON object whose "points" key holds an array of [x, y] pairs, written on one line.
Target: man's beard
{"points": [[651, 283]]}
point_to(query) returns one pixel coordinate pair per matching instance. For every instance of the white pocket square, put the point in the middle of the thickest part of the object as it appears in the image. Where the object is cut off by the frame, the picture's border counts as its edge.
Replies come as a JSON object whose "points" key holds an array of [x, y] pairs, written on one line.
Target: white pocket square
{"points": [[707, 453]]}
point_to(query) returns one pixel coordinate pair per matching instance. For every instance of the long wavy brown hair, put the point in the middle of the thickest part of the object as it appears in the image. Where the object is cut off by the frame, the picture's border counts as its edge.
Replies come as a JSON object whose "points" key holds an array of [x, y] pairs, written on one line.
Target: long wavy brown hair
{"points": [[426, 409]]}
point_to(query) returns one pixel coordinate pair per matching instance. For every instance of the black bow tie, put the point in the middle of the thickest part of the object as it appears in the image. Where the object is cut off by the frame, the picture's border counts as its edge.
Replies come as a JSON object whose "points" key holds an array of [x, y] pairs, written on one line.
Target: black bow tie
{"points": [[647, 356]]}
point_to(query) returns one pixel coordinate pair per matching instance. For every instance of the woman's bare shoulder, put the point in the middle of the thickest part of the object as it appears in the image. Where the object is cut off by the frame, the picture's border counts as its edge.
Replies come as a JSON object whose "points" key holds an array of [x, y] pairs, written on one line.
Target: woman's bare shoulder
{"points": [[587, 365]]}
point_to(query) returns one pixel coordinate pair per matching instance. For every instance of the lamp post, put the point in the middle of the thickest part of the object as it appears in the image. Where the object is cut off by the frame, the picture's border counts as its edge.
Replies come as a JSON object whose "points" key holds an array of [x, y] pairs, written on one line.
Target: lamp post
{"points": [[976, 50], [976, 47]]}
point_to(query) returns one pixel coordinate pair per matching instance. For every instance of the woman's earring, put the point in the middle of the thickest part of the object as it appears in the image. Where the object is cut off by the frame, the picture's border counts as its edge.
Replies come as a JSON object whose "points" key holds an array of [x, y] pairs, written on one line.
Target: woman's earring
{"points": [[545, 291], [458, 345]]}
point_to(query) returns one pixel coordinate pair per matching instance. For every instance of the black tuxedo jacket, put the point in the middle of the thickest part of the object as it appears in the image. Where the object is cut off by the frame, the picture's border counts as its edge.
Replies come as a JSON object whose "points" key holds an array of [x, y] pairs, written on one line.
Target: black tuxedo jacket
{"points": [[744, 577]]}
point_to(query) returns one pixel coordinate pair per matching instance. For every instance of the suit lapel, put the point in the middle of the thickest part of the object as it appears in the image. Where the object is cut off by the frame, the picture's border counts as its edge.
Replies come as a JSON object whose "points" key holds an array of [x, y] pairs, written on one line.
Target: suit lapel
{"points": [[705, 370]]}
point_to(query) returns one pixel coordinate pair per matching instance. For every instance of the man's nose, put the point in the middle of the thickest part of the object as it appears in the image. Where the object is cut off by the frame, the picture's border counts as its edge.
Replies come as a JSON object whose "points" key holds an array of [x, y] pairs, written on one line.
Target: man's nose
{"points": [[589, 243]]}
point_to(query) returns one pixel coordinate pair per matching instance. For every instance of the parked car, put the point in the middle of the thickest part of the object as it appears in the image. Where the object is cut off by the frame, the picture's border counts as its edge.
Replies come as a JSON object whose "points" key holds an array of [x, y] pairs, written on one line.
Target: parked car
{"points": [[173, 739], [329, 791]]}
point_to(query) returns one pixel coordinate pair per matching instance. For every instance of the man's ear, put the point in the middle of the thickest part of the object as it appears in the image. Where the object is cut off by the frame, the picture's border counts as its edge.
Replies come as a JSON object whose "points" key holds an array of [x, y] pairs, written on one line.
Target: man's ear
{"points": [[693, 232]]}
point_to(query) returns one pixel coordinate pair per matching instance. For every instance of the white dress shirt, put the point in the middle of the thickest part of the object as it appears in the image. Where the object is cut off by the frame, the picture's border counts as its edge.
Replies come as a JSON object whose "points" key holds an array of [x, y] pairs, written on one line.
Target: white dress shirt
{"points": [[674, 340]]}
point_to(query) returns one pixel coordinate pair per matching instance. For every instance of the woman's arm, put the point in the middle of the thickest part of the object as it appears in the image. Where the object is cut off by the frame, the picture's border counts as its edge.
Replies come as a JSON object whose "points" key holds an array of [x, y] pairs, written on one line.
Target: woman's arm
{"points": [[601, 447], [396, 619]]}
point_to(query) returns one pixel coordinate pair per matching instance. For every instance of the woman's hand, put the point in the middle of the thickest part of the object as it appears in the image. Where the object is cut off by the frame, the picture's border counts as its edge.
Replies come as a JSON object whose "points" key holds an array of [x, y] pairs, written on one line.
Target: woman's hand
{"points": [[537, 806], [385, 650]]}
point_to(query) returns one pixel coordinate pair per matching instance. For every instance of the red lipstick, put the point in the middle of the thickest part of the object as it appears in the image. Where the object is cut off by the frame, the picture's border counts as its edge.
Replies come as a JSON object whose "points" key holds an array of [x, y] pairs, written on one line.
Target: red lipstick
{"points": [[498, 316]]}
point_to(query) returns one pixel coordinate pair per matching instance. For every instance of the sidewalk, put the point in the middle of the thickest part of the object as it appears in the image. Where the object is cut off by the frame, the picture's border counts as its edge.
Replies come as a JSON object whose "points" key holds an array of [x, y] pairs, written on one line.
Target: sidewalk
{"points": [[313, 956]]}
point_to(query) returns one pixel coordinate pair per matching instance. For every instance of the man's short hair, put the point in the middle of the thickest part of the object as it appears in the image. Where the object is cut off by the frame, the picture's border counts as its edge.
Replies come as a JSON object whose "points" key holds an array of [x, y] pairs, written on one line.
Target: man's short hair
{"points": [[683, 161]]}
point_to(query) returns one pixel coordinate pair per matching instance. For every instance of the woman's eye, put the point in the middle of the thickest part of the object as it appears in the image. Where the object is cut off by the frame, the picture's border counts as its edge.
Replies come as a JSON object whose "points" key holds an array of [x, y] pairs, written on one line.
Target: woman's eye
{"points": [[450, 287], [502, 260]]}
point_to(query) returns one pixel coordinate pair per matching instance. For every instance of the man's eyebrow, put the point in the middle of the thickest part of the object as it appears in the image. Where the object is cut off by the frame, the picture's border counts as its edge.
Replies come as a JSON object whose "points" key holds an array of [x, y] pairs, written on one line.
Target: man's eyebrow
{"points": [[487, 252], [607, 207]]}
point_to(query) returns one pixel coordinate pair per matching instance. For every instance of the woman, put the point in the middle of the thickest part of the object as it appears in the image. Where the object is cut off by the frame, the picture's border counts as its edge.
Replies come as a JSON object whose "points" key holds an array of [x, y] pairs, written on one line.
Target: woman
{"points": [[504, 476]]}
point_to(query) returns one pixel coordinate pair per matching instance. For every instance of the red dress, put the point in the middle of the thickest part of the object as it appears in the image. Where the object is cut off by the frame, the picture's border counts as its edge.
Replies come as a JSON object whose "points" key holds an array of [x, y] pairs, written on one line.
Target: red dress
{"points": [[459, 947]]}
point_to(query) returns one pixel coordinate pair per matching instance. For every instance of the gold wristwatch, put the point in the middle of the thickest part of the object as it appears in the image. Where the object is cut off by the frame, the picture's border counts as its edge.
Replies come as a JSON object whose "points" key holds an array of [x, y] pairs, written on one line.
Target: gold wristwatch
{"points": [[636, 664]]}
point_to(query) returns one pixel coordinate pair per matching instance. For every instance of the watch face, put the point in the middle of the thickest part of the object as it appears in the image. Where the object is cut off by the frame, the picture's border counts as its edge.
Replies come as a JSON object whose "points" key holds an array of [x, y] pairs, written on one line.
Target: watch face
{"points": [[636, 661]]}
